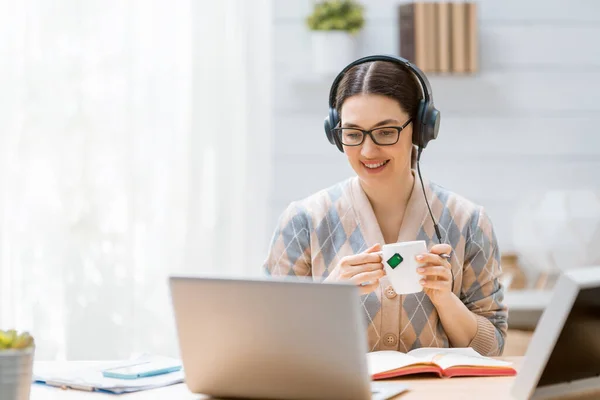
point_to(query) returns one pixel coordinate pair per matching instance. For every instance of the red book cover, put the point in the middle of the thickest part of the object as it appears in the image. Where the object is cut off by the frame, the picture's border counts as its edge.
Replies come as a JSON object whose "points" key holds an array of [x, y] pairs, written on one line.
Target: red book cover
{"points": [[445, 363]]}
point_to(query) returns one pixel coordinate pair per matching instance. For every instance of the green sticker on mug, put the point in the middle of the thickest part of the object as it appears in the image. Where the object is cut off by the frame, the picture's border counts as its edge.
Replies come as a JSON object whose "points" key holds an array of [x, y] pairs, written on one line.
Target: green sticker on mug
{"points": [[395, 260]]}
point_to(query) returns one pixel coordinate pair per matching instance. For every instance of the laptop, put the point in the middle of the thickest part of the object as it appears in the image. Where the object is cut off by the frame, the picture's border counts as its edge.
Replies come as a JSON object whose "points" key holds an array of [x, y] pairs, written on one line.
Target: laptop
{"points": [[274, 339], [563, 357]]}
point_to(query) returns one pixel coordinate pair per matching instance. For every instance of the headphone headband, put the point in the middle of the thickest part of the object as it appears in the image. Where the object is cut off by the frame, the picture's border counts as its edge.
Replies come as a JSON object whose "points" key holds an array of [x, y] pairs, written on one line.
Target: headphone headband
{"points": [[424, 83], [425, 123]]}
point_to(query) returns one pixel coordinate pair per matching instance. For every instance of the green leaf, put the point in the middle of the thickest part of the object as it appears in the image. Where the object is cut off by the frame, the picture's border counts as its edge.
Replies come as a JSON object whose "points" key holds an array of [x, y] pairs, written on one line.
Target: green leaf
{"points": [[23, 341], [13, 340], [4, 339], [339, 15]]}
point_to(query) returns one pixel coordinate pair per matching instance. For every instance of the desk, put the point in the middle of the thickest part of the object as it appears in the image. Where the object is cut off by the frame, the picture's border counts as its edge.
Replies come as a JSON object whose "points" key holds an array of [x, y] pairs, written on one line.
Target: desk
{"points": [[488, 388]]}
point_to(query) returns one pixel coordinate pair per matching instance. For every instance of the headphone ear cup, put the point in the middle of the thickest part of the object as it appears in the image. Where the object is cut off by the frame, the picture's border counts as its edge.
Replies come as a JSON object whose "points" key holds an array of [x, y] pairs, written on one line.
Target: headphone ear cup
{"points": [[427, 124], [434, 123], [331, 122], [334, 118], [430, 126], [417, 134], [327, 125]]}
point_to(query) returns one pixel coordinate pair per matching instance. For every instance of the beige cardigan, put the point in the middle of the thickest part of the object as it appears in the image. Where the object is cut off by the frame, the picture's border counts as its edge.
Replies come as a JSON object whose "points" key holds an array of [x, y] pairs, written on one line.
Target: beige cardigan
{"points": [[315, 233]]}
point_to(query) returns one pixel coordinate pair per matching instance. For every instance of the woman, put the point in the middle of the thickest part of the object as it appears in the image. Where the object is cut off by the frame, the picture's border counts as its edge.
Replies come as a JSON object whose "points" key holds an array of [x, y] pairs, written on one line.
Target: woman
{"points": [[336, 234]]}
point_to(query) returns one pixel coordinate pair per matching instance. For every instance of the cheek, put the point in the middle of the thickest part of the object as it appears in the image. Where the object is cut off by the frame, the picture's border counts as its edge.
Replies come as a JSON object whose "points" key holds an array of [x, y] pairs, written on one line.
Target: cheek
{"points": [[404, 146], [353, 153], [399, 152], [406, 137]]}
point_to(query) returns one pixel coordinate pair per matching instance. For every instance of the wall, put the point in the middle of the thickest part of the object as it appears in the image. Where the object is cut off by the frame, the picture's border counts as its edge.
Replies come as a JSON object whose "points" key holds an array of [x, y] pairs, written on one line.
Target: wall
{"points": [[527, 121]]}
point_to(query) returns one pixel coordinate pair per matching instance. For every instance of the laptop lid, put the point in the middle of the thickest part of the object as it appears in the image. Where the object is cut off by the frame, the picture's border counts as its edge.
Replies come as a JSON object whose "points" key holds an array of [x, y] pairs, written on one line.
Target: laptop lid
{"points": [[563, 356], [275, 338]]}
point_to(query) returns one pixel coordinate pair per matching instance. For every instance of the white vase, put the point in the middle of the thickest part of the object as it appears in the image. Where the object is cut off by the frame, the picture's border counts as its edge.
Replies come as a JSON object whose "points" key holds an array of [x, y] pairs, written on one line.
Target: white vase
{"points": [[558, 230], [332, 51], [16, 373]]}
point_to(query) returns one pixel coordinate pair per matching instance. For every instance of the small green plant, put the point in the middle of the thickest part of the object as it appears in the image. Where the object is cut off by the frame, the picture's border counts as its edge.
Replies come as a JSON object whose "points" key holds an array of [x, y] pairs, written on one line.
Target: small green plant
{"points": [[336, 15], [11, 340]]}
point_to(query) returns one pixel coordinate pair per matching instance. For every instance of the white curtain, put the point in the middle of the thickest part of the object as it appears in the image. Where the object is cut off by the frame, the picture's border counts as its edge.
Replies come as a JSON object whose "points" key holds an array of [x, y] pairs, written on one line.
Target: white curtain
{"points": [[135, 143]]}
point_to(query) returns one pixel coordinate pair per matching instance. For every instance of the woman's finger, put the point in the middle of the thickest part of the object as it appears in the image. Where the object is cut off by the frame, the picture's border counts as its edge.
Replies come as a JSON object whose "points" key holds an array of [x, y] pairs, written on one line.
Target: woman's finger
{"points": [[370, 276], [431, 258], [357, 269], [366, 289], [374, 248], [372, 254], [433, 284], [441, 249], [434, 270], [364, 258]]}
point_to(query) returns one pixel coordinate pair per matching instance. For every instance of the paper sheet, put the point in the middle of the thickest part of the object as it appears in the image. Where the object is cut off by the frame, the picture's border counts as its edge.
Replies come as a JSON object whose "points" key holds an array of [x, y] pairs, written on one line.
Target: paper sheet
{"points": [[92, 379]]}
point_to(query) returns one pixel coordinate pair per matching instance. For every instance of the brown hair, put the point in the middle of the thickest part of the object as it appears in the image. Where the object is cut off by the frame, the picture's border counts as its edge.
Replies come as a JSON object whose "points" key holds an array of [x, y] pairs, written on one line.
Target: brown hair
{"points": [[384, 78], [380, 77]]}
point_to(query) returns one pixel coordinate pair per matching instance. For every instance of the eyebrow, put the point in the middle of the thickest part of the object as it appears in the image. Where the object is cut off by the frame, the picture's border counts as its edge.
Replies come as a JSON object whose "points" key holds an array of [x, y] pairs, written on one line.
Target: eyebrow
{"points": [[381, 123]]}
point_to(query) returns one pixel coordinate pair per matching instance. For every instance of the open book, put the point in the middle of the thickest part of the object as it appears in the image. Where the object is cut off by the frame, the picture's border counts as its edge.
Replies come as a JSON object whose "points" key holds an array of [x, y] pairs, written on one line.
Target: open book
{"points": [[441, 361]]}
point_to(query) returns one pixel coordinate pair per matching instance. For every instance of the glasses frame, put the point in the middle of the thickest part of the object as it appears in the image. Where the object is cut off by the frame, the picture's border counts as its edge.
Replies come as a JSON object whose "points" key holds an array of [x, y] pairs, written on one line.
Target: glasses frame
{"points": [[339, 130]]}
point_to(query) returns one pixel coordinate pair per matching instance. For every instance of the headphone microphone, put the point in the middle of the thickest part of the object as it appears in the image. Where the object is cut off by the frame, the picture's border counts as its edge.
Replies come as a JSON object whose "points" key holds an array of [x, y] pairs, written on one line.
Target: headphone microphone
{"points": [[426, 122]]}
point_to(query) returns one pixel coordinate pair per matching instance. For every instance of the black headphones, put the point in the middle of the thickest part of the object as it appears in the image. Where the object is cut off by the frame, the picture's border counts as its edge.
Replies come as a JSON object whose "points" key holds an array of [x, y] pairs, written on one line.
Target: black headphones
{"points": [[426, 123]]}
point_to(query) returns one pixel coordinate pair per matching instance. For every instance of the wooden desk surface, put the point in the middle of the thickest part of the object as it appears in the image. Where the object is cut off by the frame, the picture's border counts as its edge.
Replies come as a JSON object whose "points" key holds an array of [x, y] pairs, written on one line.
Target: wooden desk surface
{"points": [[487, 388]]}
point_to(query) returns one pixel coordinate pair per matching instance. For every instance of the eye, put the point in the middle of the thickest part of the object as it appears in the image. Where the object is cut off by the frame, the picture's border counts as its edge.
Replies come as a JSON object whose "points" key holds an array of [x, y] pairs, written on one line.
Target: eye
{"points": [[386, 132], [352, 134]]}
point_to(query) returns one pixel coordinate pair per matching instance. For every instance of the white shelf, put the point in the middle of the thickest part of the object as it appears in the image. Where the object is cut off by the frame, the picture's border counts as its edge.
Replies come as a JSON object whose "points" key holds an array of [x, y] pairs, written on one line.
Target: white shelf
{"points": [[525, 307], [527, 299]]}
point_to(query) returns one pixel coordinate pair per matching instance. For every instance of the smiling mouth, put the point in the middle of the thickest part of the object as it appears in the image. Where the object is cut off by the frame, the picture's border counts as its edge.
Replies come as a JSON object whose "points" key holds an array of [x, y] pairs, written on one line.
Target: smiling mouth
{"points": [[375, 165]]}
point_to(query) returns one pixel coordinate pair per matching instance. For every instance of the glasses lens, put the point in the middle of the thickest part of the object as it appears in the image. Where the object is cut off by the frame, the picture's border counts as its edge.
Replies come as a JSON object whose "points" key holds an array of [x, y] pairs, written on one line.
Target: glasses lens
{"points": [[386, 135], [350, 137]]}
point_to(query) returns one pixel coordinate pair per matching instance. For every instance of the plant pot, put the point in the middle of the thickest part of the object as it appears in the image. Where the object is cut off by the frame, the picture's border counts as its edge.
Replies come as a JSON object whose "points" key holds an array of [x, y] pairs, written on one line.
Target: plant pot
{"points": [[16, 374], [332, 51]]}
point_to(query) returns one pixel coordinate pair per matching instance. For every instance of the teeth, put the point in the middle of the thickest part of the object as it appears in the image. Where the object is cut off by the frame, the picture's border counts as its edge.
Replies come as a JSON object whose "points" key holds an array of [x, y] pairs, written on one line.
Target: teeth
{"points": [[375, 165]]}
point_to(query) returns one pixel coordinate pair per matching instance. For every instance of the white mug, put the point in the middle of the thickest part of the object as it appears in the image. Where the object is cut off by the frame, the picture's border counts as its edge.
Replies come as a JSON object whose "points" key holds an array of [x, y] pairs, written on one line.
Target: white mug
{"points": [[401, 266]]}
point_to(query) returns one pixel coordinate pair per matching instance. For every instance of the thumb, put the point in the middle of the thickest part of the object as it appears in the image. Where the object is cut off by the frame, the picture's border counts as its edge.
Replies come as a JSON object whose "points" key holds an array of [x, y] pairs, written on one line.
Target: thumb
{"points": [[373, 249], [441, 249]]}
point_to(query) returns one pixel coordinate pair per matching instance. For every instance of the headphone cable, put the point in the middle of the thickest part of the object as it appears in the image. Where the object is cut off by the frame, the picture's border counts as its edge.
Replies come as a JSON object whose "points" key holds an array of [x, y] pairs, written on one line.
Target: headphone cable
{"points": [[435, 226]]}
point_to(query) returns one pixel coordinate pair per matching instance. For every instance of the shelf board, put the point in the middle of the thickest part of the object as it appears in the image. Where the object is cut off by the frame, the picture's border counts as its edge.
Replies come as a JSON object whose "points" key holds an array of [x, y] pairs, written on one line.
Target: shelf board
{"points": [[525, 307], [527, 299]]}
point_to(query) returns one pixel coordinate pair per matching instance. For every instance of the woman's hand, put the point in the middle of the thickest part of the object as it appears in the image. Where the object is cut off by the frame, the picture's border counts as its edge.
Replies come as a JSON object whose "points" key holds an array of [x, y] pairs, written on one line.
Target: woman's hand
{"points": [[364, 268], [437, 274]]}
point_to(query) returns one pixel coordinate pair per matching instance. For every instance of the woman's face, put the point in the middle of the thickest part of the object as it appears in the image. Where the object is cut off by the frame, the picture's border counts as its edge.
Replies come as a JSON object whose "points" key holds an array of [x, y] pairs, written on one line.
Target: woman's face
{"points": [[372, 163]]}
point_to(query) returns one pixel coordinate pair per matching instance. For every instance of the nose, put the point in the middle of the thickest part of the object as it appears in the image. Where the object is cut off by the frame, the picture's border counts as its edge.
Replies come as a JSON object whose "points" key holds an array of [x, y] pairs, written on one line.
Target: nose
{"points": [[369, 149]]}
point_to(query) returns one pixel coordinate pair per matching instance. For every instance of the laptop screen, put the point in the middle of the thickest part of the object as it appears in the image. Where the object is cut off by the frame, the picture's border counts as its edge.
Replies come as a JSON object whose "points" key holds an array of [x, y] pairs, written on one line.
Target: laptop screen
{"points": [[577, 352]]}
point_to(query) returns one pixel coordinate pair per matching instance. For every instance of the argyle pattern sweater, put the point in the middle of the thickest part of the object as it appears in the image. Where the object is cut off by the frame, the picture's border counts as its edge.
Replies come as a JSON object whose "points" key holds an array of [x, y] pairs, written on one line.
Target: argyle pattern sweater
{"points": [[313, 234]]}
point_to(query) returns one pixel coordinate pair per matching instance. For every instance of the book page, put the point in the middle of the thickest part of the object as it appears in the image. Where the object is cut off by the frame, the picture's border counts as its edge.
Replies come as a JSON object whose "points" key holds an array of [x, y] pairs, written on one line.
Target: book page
{"points": [[387, 360], [456, 356]]}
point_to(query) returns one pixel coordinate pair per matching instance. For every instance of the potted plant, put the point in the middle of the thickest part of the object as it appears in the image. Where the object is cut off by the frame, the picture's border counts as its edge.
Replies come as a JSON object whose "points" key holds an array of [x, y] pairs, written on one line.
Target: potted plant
{"points": [[16, 365], [334, 25]]}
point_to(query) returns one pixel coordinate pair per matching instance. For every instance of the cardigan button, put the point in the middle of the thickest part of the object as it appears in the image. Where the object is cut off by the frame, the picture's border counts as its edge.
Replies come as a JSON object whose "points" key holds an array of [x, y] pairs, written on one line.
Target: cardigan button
{"points": [[390, 293], [390, 340]]}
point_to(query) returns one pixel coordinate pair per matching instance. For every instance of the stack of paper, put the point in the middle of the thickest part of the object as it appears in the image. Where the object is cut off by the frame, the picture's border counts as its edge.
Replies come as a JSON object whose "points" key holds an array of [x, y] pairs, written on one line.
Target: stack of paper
{"points": [[91, 379]]}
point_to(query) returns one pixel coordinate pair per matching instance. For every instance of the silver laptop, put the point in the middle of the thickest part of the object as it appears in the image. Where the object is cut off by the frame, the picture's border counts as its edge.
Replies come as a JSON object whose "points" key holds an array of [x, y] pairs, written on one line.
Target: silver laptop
{"points": [[275, 338]]}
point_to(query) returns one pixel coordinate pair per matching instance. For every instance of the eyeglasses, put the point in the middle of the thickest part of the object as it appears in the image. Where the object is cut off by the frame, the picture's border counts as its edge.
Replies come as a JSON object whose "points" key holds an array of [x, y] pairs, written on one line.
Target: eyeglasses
{"points": [[383, 136]]}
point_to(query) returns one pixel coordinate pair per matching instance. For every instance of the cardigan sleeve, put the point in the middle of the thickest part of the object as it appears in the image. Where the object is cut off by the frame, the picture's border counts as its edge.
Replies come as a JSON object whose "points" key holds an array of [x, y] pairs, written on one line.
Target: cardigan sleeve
{"points": [[289, 251], [482, 291]]}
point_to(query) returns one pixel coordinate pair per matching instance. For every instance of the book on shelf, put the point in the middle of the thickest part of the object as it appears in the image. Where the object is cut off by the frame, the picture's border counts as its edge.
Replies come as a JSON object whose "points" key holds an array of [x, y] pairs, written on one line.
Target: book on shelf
{"points": [[439, 37]]}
